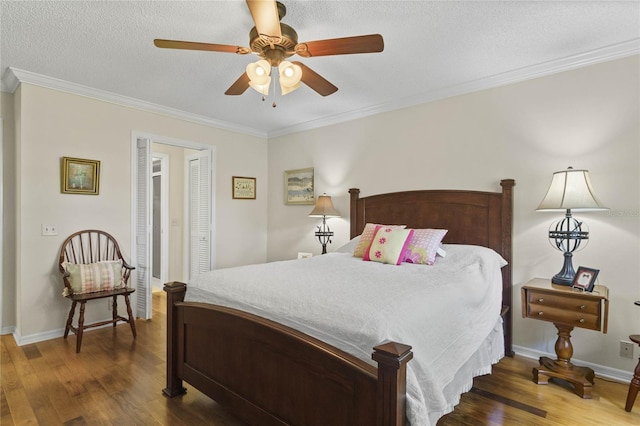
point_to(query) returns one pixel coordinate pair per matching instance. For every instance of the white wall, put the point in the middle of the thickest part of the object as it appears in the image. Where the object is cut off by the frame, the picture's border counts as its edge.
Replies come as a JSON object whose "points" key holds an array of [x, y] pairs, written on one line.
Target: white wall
{"points": [[585, 118], [54, 124]]}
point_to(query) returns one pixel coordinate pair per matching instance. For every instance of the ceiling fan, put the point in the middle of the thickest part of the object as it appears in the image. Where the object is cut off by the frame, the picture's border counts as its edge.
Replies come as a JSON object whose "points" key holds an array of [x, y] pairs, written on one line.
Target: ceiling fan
{"points": [[274, 42]]}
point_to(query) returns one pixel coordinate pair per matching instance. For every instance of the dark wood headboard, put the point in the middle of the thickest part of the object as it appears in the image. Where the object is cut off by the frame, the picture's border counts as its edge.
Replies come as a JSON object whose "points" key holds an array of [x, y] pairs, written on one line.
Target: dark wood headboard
{"points": [[471, 217]]}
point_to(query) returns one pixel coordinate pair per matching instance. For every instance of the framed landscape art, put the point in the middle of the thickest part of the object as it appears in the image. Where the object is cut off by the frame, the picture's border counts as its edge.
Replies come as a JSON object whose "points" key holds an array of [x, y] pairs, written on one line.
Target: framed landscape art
{"points": [[298, 187]]}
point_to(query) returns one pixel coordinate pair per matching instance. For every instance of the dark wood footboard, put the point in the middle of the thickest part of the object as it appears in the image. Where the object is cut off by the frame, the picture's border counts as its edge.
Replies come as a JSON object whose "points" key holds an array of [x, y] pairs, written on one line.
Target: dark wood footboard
{"points": [[270, 374]]}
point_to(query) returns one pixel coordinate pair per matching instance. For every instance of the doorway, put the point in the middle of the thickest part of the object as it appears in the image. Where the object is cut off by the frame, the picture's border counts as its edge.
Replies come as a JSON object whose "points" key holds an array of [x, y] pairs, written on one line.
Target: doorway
{"points": [[160, 222], [161, 176]]}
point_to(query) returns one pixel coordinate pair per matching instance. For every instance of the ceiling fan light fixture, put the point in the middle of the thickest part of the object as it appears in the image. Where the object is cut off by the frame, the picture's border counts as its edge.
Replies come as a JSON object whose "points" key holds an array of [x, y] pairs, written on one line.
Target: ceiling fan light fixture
{"points": [[261, 88], [259, 72], [290, 76]]}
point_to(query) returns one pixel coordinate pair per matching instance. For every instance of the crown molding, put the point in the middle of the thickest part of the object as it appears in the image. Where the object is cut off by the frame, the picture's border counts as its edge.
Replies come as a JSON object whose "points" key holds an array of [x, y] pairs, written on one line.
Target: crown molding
{"points": [[13, 77], [605, 54]]}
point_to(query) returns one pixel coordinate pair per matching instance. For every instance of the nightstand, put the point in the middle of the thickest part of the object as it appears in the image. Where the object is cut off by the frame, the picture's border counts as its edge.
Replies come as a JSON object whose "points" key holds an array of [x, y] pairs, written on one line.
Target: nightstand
{"points": [[566, 308]]}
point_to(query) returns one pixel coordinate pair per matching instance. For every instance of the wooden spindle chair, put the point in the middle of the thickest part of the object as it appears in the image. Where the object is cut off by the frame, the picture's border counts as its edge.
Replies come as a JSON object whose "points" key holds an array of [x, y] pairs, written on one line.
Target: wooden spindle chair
{"points": [[100, 250]]}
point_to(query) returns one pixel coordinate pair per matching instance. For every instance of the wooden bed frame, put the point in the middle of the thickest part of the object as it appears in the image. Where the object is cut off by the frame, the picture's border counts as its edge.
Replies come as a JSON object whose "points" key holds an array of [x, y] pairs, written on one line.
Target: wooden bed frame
{"points": [[270, 374]]}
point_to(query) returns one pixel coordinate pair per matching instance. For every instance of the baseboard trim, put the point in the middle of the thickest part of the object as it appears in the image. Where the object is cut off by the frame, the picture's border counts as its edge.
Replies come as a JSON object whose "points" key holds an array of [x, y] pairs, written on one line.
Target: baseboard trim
{"points": [[8, 330], [48, 335]]}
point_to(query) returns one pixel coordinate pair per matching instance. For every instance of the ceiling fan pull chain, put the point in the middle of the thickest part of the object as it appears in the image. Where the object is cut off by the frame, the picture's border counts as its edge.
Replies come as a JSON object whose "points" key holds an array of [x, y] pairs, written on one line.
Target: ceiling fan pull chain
{"points": [[273, 105]]}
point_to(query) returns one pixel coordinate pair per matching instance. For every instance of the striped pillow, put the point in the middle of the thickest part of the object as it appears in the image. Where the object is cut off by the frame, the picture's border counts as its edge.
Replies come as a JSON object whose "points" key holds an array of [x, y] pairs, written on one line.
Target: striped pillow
{"points": [[92, 277]]}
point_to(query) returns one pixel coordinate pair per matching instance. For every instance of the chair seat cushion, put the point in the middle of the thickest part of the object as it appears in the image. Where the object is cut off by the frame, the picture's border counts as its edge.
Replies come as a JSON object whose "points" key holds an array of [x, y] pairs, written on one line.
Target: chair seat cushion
{"points": [[94, 277]]}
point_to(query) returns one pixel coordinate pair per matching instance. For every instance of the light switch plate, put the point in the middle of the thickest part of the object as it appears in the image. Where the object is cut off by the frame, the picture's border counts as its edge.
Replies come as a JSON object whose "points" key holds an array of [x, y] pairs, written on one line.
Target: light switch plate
{"points": [[49, 230]]}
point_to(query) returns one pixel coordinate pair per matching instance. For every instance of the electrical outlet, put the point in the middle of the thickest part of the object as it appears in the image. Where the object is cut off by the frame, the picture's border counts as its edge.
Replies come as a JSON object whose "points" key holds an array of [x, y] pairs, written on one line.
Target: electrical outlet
{"points": [[109, 305], [626, 349], [49, 230]]}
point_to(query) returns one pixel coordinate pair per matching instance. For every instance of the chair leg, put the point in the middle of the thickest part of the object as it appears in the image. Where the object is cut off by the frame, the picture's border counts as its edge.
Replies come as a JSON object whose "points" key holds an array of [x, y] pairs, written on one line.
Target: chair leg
{"points": [[132, 322], [72, 311], [80, 328], [634, 386], [114, 311]]}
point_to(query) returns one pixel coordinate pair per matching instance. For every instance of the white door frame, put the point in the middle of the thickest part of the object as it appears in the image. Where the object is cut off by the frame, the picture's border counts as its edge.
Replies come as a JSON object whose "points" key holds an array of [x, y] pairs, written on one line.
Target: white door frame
{"points": [[135, 135]]}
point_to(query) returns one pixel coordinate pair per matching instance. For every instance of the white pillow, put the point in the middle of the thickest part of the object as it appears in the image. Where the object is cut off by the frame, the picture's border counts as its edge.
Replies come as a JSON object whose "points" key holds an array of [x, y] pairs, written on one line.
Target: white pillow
{"points": [[350, 246]]}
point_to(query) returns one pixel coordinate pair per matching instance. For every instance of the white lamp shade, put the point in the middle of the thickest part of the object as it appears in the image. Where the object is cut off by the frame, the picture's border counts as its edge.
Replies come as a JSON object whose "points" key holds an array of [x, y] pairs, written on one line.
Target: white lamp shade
{"points": [[259, 72], [290, 76], [324, 208], [571, 190], [261, 88]]}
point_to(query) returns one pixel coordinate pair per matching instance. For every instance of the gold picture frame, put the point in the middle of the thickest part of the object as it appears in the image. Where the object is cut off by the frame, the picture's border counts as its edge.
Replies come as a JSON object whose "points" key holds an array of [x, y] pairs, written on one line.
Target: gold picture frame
{"points": [[244, 188], [299, 188], [80, 176]]}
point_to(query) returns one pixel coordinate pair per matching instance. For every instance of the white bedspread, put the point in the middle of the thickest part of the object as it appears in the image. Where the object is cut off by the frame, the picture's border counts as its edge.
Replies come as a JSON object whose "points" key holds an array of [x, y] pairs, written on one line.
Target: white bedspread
{"points": [[444, 311]]}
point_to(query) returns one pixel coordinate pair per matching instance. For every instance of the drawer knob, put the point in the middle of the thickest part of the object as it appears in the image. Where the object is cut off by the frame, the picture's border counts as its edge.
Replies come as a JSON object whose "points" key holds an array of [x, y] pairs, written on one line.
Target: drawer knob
{"points": [[582, 307], [540, 313], [541, 300], [581, 320]]}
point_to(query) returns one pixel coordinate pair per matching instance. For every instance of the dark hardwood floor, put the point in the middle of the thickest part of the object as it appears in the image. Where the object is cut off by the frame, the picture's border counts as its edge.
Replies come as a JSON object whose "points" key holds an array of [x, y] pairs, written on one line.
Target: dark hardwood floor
{"points": [[116, 380]]}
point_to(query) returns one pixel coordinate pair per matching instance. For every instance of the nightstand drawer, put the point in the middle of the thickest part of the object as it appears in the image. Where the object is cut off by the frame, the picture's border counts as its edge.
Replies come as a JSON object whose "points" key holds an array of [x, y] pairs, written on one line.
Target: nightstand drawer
{"points": [[562, 315], [567, 302]]}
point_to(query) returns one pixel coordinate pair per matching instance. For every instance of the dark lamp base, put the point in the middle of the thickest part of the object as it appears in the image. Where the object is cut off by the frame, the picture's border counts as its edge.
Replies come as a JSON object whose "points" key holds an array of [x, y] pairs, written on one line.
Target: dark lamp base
{"points": [[566, 274], [562, 280]]}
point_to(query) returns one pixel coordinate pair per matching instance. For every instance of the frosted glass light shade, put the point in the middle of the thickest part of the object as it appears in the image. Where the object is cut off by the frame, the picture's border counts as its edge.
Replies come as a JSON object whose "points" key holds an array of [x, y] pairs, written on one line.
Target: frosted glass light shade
{"points": [[290, 76], [259, 73], [261, 88]]}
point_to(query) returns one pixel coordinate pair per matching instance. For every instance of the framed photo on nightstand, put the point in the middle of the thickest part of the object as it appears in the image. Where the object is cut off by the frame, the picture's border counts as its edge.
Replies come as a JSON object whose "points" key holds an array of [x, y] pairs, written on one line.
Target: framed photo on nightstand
{"points": [[585, 278]]}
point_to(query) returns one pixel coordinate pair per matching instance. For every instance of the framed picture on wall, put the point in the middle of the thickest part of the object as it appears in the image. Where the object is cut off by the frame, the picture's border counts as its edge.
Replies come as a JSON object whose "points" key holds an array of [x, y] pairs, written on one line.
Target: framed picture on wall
{"points": [[244, 188], [80, 176], [299, 187]]}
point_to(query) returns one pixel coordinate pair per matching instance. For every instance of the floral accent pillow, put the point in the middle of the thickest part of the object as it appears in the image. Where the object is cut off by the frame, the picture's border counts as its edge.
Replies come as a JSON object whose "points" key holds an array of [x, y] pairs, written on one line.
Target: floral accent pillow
{"points": [[424, 246], [388, 245], [100, 276], [367, 236]]}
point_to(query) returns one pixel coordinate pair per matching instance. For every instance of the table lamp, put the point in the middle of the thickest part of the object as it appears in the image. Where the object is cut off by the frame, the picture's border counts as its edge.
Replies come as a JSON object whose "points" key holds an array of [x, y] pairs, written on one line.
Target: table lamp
{"points": [[569, 190], [324, 209]]}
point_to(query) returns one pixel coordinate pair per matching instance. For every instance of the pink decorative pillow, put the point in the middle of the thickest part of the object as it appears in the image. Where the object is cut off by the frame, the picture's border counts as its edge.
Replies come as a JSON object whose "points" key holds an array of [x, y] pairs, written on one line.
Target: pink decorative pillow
{"points": [[388, 245], [367, 236], [424, 245]]}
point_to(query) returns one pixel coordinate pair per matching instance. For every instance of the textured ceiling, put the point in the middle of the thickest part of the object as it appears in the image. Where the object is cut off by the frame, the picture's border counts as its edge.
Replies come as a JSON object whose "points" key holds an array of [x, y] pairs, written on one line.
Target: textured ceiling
{"points": [[432, 49]]}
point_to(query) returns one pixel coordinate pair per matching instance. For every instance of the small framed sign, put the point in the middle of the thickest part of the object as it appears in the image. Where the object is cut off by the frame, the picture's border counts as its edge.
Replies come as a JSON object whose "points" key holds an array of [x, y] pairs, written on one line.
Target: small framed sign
{"points": [[585, 278], [244, 188]]}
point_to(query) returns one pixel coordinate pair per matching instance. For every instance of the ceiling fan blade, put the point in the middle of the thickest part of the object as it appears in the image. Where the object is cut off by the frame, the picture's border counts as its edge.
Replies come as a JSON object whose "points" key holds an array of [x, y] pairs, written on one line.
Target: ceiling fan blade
{"points": [[240, 85], [192, 45], [316, 81], [341, 46], [265, 16]]}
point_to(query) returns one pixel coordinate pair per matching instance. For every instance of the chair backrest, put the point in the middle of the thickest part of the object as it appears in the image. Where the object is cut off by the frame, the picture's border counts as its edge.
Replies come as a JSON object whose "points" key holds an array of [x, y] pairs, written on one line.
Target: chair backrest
{"points": [[91, 246]]}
